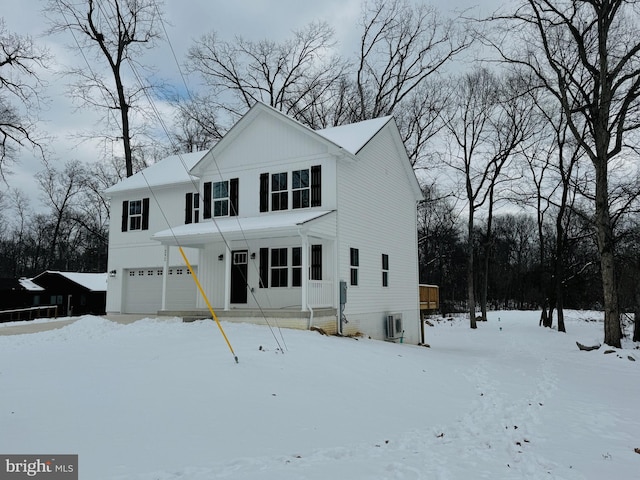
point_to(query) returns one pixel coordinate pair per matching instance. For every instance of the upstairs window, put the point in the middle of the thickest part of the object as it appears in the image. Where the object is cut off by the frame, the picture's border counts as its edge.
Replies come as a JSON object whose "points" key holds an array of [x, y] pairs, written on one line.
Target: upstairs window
{"points": [[135, 215], [220, 199], [192, 208], [305, 189], [279, 192], [301, 188], [354, 261]]}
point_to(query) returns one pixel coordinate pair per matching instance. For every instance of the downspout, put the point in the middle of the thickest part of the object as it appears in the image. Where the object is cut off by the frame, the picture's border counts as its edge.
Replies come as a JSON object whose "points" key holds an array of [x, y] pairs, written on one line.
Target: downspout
{"points": [[310, 317]]}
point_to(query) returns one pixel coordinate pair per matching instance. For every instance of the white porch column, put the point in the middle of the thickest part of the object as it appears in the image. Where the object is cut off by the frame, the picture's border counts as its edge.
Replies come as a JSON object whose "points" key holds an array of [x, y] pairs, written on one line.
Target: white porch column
{"points": [[305, 272], [165, 274], [227, 278]]}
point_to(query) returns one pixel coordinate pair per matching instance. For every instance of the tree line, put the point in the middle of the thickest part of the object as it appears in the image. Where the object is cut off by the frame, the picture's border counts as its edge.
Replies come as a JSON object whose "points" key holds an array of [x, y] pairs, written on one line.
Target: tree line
{"points": [[539, 116]]}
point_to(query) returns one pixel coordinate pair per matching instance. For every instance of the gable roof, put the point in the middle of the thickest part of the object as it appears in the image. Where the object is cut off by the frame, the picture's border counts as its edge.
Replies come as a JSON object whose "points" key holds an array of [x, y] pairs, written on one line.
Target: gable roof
{"points": [[354, 136], [95, 282], [169, 170], [350, 138]]}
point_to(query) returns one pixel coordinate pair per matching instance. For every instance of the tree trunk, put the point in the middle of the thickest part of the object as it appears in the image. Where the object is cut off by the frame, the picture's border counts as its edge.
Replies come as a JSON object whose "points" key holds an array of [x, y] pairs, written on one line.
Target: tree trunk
{"points": [[560, 309], [543, 316], [606, 246], [485, 285], [471, 300], [636, 315]]}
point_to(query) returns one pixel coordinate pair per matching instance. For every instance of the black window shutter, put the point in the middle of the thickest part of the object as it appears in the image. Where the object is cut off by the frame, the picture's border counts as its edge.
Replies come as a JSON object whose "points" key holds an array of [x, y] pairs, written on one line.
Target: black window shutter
{"points": [[264, 267], [125, 215], [233, 197], [316, 186], [188, 208], [264, 192], [207, 200], [145, 214]]}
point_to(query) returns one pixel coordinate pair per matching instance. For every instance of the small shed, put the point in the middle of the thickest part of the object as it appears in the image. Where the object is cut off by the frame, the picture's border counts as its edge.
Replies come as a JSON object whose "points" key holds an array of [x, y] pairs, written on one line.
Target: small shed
{"points": [[74, 293]]}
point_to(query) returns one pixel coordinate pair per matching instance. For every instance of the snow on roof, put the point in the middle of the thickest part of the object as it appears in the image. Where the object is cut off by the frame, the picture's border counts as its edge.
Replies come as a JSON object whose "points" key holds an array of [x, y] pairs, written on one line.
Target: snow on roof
{"points": [[245, 226], [27, 284], [96, 282], [169, 170], [354, 136]]}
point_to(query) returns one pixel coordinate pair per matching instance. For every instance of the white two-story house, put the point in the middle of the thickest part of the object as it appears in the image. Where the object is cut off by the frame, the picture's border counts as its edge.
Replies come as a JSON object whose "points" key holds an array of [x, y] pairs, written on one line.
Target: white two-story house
{"points": [[281, 224]]}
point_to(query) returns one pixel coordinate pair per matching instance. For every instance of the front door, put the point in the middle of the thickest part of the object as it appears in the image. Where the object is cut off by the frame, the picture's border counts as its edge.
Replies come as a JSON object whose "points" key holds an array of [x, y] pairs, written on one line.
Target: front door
{"points": [[239, 276]]}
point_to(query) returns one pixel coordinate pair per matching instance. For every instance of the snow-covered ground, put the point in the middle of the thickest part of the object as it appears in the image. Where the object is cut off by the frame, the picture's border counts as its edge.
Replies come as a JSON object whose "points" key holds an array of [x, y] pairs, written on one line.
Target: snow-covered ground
{"points": [[164, 400]]}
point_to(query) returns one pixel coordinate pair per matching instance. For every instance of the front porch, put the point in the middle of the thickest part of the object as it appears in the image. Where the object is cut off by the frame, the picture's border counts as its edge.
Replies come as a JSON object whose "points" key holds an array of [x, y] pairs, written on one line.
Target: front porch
{"points": [[284, 264], [324, 318]]}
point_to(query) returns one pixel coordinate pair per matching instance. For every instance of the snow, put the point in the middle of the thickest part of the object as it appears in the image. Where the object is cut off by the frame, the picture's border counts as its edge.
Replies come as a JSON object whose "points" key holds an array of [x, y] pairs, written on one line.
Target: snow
{"points": [[168, 171], [163, 399], [241, 226], [354, 136], [27, 284], [95, 282]]}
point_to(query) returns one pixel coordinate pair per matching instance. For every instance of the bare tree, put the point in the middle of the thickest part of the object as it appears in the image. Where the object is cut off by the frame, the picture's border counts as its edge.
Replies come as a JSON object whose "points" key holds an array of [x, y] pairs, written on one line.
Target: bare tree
{"points": [[587, 54], [292, 76], [401, 46], [487, 122], [60, 189], [20, 59], [115, 31]]}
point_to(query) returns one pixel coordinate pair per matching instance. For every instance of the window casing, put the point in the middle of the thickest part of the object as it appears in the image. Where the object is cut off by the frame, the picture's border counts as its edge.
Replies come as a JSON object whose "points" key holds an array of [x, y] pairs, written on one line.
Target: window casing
{"points": [[296, 267], [385, 270], [354, 261], [192, 208], [300, 188], [279, 268], [221, 199], [135, 214], [279, 191], [305, 189]]}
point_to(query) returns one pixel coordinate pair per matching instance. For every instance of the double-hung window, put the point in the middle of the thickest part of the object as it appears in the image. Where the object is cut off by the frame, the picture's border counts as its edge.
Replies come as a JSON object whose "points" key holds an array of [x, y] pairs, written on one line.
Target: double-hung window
{"points": [[135, 215], [296, 267], [354, 261], [301, 188], [221, 199], [192, 208], [385, 270], [279, 268], [279, 192]]}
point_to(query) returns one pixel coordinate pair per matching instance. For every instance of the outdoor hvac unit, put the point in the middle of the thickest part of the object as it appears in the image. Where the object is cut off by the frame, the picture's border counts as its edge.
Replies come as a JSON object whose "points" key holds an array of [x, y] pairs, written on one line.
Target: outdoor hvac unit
{"points": [[394, 326]]}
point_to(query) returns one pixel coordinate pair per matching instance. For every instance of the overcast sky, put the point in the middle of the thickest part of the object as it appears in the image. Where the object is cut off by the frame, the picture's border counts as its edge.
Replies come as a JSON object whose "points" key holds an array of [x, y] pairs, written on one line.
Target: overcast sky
{"points": [[187, 20]]}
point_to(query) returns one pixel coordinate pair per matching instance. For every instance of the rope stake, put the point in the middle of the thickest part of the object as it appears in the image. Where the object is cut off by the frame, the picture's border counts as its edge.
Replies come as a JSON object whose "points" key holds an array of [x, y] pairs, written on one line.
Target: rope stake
{"points": [[204, 295]]}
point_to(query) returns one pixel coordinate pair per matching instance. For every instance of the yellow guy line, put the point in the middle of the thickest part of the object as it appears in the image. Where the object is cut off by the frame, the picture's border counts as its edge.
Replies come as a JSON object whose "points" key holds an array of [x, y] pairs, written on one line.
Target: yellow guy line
{"points": [[215, 317]]}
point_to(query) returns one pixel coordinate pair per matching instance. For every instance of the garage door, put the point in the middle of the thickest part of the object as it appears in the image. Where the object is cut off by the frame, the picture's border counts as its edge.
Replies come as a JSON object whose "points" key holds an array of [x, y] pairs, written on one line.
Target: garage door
{"points": [[143, 290]]}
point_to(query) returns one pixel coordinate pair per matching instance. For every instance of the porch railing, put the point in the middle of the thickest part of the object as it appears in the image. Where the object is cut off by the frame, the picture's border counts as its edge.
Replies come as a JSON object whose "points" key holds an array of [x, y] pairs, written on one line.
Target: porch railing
{"points": [[320, 293]]}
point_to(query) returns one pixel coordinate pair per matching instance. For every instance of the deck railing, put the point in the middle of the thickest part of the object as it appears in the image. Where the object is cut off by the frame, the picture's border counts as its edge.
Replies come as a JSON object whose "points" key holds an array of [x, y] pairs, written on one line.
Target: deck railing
{"points": [[44, 311], [320, 293]]}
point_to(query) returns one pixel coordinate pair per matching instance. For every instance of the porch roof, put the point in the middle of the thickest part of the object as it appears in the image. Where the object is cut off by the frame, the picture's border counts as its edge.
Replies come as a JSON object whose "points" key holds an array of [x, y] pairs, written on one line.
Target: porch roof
{"points": [[273, 225]]}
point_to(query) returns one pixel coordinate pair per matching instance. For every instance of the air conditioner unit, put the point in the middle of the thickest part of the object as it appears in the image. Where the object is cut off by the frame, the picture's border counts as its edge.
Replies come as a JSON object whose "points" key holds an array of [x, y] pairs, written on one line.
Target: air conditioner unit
{"points": [[394, 326]]}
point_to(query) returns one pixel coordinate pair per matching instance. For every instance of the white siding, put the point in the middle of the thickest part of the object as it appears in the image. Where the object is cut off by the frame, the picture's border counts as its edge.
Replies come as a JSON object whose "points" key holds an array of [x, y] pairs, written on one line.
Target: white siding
{"points": [[135, 249], [377, 215], [268, 146]]}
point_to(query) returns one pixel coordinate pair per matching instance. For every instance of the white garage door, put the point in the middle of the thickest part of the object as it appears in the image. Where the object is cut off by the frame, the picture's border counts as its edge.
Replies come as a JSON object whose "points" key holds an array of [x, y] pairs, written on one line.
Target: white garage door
{"points": [[143, 290]]}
